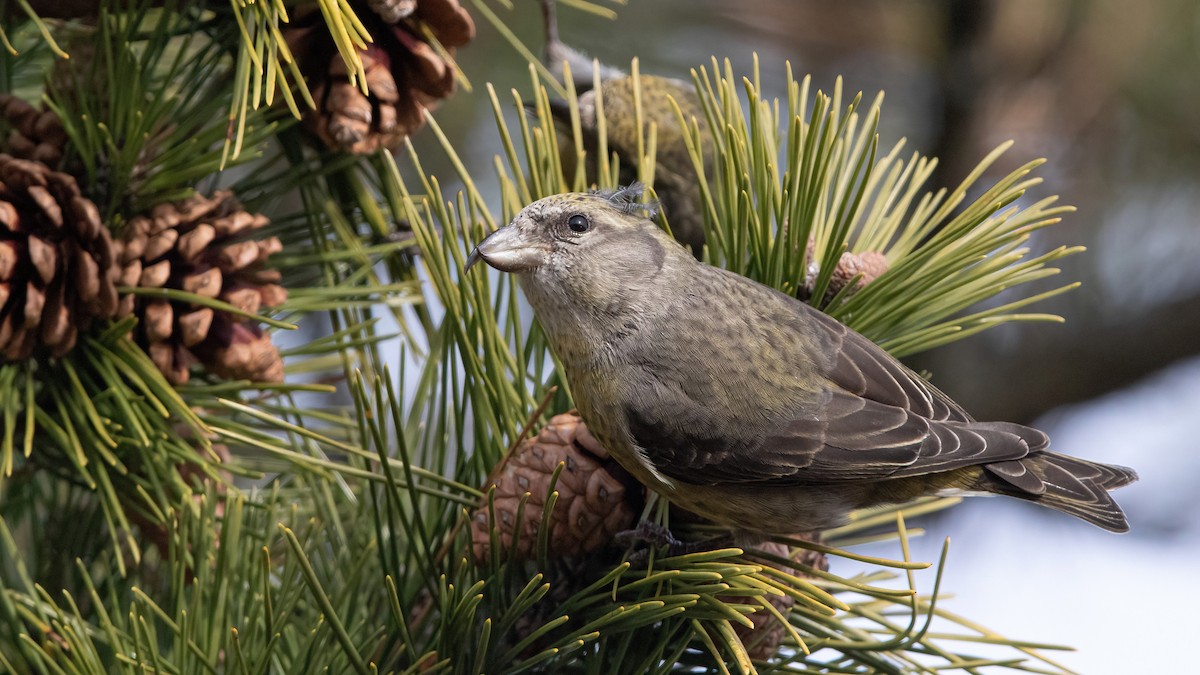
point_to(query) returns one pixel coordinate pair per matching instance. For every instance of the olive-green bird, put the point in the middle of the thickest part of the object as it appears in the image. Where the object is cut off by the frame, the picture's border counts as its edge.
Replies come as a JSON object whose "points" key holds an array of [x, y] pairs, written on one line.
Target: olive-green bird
{"points": [[745, 405], [675, 180]]}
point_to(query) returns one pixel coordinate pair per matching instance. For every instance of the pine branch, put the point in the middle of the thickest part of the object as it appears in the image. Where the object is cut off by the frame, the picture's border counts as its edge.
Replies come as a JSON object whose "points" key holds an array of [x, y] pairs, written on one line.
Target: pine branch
{"points": [[944, 255]]}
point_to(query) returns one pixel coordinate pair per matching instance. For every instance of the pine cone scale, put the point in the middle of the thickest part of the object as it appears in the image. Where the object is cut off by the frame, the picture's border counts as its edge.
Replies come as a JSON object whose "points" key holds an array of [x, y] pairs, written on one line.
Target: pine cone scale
{"points": [[10, 256], [193, 326], [237, 256], [195, 242], [246, 299], [7, 324], [158, 317], [88, 281], [448, 21], [131, 273], [8, 214], [49, 207], [56, 324], [20, 345], [44, 258], [206, 284], [160, 244], [87, 218], [36, 135], [35, 299], [156, 275]]}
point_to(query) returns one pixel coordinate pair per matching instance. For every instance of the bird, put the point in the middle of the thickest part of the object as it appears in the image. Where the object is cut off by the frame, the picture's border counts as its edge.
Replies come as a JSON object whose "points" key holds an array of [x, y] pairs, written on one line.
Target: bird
{"points": [[745, 405], [675, 175]]}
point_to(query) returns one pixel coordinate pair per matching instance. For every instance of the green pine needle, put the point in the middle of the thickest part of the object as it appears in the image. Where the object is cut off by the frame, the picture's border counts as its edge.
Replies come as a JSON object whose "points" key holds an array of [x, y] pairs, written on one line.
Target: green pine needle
{"points": [[945, 255]]}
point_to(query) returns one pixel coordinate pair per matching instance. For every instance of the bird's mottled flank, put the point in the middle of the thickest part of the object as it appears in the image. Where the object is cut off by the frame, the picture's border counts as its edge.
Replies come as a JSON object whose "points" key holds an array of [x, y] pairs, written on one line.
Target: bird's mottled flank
{"points": [[746, 405]]}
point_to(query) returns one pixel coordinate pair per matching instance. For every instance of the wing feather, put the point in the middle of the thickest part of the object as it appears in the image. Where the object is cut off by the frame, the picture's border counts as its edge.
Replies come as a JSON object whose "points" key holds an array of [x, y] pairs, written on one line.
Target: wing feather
{"points": [[863, 368], [871, 419]]}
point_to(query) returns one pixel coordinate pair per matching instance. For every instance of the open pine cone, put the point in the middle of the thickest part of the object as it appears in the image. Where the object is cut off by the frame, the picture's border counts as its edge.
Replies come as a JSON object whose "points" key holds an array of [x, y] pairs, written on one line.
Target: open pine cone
{"points": [[405, 75], [596, 497], [34, 134], [58, 268], [200, 246]]}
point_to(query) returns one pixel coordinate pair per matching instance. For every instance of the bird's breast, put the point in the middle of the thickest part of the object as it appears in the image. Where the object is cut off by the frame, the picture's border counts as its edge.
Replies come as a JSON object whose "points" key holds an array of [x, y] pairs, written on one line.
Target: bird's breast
{"points": [[601, 400]]}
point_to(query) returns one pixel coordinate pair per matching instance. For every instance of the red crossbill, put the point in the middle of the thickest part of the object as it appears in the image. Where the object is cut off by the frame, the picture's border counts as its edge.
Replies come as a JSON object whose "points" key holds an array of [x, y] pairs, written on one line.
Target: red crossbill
{"points": [[745, 405]]}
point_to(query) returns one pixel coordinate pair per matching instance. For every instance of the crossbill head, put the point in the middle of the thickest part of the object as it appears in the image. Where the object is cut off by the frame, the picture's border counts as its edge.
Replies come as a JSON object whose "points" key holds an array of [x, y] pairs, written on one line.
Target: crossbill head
{"points": [[595, 253], [562, 233]]}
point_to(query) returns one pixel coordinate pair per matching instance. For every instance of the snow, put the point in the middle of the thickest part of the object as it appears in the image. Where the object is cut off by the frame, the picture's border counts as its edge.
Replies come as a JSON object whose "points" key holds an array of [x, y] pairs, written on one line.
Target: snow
{"points": [[1029, 573]]}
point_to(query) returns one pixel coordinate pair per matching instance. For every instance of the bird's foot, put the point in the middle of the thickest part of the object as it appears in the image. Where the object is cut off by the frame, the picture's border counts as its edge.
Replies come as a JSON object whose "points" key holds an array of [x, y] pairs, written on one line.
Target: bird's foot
{"points": [[648, 536], [648, 533]]}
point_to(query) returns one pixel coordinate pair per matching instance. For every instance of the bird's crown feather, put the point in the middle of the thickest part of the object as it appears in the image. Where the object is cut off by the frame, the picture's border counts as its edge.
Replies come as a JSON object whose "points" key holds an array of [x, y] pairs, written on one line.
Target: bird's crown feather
{"points": [[627, 199]]}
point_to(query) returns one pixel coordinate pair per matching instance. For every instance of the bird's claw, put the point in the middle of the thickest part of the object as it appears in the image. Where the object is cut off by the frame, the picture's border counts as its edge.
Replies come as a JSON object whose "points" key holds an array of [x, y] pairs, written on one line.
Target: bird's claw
{"points": [[643, 539], [646, 532], [648, 536]]}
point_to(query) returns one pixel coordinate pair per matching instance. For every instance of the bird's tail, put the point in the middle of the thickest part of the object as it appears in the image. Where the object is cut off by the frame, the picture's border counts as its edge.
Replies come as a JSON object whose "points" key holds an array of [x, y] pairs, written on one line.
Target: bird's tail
{"points": [[1068, 484]]}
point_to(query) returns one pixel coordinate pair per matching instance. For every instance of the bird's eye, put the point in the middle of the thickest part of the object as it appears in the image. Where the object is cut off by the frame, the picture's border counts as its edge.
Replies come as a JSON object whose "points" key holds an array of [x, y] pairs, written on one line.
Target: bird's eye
{"points": [[578, 223]]}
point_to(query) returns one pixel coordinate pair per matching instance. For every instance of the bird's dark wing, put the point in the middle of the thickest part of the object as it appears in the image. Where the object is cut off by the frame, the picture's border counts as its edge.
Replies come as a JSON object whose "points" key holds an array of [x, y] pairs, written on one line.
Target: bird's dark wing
{"points": [[875, 419], [862, 368], [845, 437]]}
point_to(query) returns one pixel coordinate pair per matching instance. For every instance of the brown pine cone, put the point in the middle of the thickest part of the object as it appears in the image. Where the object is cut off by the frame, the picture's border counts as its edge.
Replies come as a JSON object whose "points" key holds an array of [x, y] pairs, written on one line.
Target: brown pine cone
{"points": [[596, 497], [763, 640], [58, 268], [34, 134], [200, 245], [405, 75], [870, 264]]}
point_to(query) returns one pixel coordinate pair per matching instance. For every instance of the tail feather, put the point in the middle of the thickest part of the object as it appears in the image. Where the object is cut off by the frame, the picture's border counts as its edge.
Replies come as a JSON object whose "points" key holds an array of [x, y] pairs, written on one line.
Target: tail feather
{"points": [[1068, 484]]}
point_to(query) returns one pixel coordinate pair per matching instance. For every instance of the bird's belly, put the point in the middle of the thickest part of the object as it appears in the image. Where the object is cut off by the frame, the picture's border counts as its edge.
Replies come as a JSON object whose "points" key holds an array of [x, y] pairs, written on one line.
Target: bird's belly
{"points": [[767, 510]]}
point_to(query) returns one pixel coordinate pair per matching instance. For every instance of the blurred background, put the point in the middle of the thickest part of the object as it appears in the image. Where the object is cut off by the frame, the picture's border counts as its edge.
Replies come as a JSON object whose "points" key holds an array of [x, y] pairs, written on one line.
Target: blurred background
{"points": [[1106, 91]]}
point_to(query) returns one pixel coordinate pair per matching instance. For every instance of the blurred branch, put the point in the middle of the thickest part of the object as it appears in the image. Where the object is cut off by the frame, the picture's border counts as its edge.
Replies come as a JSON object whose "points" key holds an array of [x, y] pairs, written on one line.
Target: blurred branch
{"points": [[959, 72], [55, 9], [1081, 363]]}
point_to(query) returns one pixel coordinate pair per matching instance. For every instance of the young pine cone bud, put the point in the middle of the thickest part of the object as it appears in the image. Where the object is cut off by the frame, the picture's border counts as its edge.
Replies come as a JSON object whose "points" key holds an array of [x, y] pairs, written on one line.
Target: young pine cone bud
{"points": [[392, 11], [33, 134], [763, 640], [58, 268], [405, 75], [201, 246], [596, 497], [869, 264]]}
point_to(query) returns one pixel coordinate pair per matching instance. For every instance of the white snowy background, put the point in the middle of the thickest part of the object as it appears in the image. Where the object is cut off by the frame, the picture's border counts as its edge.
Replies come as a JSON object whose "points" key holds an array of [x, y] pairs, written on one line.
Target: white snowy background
{"points": [[1125, 602]]}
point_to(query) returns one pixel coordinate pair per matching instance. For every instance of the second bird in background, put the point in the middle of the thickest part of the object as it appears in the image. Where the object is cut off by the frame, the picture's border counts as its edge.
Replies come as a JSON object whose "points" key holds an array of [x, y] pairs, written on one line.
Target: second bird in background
{"points": [[675, 180]]}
